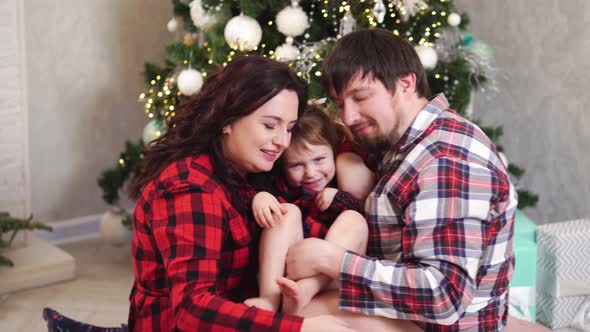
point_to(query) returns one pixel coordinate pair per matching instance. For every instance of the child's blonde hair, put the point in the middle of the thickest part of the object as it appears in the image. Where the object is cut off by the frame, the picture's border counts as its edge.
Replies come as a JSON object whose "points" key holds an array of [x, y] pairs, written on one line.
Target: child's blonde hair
{"points": [[317, 127]]}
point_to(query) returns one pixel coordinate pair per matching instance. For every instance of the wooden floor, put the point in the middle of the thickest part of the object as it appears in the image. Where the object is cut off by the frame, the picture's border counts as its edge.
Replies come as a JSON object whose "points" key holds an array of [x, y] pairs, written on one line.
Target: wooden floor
{"points": [[99, 294]]}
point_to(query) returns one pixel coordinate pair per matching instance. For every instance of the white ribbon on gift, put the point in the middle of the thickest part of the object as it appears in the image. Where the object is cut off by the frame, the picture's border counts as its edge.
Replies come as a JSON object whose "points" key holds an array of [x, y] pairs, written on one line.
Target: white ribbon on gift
{"points": [[581, 320], [520, 300]]}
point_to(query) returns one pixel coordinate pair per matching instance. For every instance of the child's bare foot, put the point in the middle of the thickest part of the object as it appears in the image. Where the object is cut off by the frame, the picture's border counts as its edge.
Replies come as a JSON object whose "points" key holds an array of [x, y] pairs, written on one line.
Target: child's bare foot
{"points": [[295, 295], [262, 303]]}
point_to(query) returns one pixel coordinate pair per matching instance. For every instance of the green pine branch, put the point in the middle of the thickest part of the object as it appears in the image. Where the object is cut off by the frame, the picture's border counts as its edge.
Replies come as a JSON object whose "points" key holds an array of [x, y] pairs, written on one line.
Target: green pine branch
{"points": [[12, 226]]}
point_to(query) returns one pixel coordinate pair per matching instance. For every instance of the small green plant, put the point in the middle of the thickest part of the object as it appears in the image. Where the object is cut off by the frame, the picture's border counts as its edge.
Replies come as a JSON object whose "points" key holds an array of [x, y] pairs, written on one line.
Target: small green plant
{"points": [[10, 226]]}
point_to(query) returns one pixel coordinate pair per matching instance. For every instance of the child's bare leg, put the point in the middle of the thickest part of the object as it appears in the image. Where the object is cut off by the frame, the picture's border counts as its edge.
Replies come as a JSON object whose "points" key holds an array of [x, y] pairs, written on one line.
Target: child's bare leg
{"points": [[274, 243], [349, 231], [326, 303]]}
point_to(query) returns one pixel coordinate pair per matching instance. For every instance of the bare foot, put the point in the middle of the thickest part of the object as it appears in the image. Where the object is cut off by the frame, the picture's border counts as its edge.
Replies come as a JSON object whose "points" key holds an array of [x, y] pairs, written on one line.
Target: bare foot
{"points": [[262, 303], [295, 295]]}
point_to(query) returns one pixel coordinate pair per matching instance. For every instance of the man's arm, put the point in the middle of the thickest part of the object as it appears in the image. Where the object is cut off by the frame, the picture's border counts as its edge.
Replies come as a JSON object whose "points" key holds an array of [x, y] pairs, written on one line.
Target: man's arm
{"points": [[445, 235]]}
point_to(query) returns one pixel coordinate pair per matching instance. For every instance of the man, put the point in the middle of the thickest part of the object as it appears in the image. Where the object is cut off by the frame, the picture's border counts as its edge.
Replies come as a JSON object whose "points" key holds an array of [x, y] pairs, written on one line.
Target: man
{"points": [[441, 214]]}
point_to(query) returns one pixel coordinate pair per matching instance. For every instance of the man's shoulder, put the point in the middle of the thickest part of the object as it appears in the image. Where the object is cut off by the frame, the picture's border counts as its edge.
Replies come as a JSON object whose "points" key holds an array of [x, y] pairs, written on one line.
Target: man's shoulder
{"points": [[453, 136]]}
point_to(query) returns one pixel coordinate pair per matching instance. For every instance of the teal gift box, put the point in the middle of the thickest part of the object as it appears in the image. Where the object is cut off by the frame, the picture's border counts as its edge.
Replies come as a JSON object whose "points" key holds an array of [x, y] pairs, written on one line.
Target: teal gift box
{"points": [[524, 277], [525, 252]]}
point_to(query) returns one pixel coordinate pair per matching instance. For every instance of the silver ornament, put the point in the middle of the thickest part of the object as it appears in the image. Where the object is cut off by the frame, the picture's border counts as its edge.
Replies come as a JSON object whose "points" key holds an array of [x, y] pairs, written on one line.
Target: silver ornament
{"points": [[379, 11]]}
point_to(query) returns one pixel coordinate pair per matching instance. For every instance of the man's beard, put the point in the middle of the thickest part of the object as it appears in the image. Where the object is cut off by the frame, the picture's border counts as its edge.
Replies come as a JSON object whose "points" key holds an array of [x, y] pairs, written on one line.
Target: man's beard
{"points": [[376, 149]]}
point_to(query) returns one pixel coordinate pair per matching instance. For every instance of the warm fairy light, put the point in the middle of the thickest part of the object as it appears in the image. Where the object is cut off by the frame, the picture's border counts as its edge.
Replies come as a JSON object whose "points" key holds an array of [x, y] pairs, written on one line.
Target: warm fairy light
{"points": [[443, 13], [437, 34], [411, 38], [151, 115], [121, 161], [437, 76], [318, 73], [160, 94], [395, 32], [158, 77], [204, 74], [153, 82], [299, 73], [171, 107], [210, 62], [142, 95], [433, 12]]}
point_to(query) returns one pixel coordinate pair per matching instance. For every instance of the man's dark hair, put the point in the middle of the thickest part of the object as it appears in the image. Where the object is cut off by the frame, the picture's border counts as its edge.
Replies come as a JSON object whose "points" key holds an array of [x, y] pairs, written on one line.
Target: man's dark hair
{"points": [[375, 52]]}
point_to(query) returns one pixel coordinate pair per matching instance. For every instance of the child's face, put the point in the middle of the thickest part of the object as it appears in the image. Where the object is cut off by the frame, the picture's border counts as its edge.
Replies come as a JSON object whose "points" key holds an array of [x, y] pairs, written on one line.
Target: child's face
{"points": [[309, 166]]}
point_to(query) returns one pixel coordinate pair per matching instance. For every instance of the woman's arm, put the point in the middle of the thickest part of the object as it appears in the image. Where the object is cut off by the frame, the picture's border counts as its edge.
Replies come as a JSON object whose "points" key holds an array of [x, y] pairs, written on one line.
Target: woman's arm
{"points": [[189, 230]]}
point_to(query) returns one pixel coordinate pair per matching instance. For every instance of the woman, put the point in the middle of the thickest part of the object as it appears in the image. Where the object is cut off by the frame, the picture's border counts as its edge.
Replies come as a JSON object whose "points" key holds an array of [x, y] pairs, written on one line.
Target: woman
{"points": [[195, 241]]}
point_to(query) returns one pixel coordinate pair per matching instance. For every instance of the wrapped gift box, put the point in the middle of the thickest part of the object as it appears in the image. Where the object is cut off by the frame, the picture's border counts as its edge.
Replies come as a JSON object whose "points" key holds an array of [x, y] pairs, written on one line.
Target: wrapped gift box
{"points": [[563, 278], [564, 311], [524, 277], [564, 258]]}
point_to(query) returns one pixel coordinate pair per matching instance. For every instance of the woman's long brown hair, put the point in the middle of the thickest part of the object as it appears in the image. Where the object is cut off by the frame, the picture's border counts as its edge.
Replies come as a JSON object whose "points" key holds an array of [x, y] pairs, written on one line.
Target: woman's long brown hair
{"points": [[245, 84]]}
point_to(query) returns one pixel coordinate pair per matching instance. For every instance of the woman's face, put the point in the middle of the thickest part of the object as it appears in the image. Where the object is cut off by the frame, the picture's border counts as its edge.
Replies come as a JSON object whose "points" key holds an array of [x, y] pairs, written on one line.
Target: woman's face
{"points": [[253, 143]]}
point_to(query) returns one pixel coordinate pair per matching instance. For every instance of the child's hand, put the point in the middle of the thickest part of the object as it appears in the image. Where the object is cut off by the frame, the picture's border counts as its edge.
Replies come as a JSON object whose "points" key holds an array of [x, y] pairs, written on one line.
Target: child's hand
{"points": [[324, 198], [267, 209]]}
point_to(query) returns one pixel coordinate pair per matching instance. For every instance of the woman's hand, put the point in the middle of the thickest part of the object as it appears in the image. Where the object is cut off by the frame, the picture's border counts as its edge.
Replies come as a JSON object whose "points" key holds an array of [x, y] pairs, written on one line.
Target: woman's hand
{"points": [[267, 209], [324, 198], [325, 323]]}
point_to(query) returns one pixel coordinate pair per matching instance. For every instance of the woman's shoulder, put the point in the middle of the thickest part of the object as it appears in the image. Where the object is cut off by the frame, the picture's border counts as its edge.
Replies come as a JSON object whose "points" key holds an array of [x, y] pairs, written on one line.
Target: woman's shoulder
{"points": [[193, 173]]}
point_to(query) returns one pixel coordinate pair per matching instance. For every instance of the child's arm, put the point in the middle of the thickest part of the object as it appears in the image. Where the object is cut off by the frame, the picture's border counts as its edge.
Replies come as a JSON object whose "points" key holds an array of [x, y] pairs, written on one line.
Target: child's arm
{"points": [[267, 209], [353, 176]]}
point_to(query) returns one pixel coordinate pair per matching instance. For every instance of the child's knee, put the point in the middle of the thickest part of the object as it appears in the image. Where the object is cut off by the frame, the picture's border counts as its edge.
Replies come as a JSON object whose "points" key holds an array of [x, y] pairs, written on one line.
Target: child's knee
{"points": [[354, 222], [293, 211]]}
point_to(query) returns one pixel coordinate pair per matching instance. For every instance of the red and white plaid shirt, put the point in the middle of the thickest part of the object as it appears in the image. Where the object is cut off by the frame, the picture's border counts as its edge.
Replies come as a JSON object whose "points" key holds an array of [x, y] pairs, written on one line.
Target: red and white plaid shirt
{"points": [[195, 257], [441, 226]]}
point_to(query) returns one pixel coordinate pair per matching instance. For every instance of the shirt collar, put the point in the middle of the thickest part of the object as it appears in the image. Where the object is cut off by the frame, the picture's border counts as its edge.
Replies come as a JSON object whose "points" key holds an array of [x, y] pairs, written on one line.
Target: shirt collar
{"points": [[422, 121]]}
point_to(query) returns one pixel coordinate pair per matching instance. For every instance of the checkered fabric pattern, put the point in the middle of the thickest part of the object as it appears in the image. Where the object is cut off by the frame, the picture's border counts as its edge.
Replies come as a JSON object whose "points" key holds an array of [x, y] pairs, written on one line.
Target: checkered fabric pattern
{"points": [[441, 223], [195, 257], [316, 223]]}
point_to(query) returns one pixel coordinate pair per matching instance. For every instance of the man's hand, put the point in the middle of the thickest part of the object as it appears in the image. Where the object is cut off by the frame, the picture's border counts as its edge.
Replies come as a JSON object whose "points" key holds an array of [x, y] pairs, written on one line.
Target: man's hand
{"points": [[312, 256], [267, 209], [324, 198]]}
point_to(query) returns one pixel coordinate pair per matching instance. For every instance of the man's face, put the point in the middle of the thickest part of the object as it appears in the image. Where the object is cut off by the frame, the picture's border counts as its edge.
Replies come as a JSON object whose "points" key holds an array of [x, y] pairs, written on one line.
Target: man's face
{"points": [[369, 110]]}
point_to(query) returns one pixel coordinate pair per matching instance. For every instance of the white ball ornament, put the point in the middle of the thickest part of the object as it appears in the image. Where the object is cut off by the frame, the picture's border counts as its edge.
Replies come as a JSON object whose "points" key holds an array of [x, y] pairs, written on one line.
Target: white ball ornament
{"points": [[287, 52], [292, 21], [427, 56], [172, 25], [243, 32], [201, 19], [454, 19], [189, 81]]}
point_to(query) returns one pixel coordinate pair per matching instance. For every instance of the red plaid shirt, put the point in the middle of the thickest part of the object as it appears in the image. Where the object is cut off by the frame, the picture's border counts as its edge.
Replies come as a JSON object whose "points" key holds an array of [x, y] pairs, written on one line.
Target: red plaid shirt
{"points": [[441, 221], [195, 257], [316, 223]]}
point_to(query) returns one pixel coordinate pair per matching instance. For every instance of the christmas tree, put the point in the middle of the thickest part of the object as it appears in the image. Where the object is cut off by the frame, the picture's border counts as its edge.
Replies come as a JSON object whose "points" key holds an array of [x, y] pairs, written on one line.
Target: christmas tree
{"points": [[210, 33]]}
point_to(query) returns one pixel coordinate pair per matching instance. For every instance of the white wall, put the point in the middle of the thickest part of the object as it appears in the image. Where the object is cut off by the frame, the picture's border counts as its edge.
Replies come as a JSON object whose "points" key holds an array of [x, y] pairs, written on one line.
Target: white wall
{"points": [[543, 51], [14, 181], [84, 65]]}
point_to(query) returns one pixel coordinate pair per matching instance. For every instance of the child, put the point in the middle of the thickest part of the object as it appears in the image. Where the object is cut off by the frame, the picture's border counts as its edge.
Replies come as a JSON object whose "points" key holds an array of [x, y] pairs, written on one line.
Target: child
{"points": [[316, 209]]}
